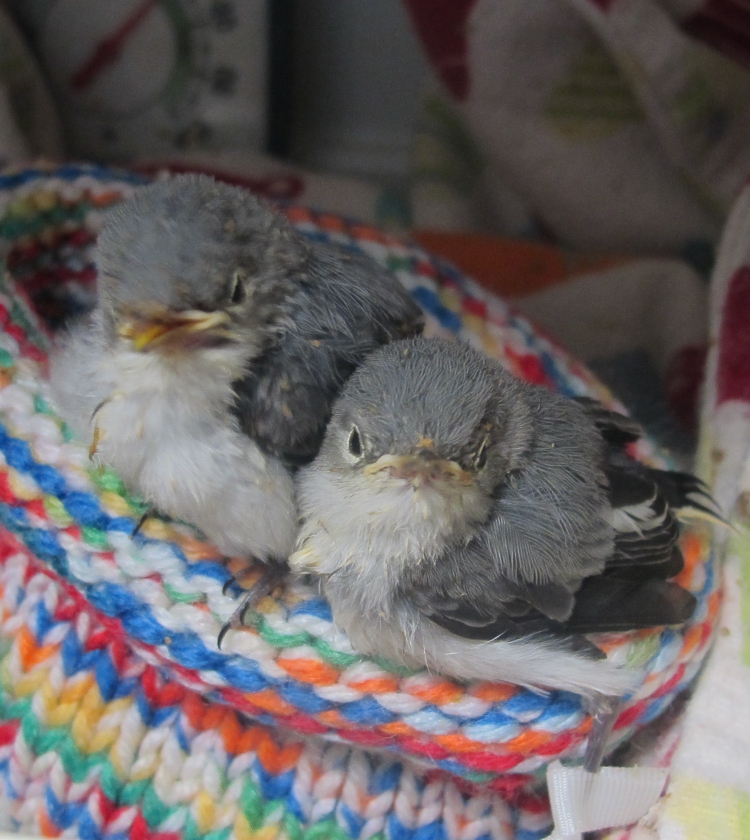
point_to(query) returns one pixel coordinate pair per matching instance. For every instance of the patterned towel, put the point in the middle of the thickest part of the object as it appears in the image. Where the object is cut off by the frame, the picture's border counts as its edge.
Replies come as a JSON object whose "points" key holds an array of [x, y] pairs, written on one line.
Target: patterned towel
{"points": [[709, 793], [599, 123]]}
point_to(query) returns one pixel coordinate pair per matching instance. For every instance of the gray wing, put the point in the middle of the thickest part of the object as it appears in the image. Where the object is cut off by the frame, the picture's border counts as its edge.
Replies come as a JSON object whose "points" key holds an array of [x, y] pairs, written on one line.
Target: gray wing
{"points": [[346, 306], [558, 556], [465, 593], [551, 524]]}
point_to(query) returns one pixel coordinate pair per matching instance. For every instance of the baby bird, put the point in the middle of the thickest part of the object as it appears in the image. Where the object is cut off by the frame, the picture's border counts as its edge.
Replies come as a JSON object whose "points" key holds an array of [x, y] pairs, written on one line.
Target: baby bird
{"points": [[461, 519], [207, 372]]}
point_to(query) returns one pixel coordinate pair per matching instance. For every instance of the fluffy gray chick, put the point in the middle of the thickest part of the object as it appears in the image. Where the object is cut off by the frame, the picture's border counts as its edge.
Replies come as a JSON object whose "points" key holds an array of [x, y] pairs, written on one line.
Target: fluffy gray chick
{"points": [[220, 340], [462, 519]]}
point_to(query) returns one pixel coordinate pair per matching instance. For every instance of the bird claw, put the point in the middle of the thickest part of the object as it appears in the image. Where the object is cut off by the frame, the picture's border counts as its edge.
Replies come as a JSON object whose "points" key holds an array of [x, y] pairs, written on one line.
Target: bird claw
{"points": [[246, 577], [228, 583], [605, 711], [234, 623], [95, 441], [268, 581], [147, 515]]}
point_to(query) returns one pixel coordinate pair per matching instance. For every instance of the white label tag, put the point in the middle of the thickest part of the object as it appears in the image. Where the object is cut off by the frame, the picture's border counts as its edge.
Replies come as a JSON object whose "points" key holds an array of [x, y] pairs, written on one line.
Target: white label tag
{"points": [[613, 797]]}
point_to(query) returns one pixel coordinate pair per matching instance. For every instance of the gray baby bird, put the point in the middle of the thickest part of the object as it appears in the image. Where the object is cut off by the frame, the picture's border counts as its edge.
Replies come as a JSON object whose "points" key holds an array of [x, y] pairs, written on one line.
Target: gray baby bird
{"points": [[207, 372], [461, 519]]}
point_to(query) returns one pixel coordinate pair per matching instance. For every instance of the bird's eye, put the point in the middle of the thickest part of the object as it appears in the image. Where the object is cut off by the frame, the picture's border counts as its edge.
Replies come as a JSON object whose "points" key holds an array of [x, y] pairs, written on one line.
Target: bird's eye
{"points": [[237, 291], [480, 462], [355, 442]]}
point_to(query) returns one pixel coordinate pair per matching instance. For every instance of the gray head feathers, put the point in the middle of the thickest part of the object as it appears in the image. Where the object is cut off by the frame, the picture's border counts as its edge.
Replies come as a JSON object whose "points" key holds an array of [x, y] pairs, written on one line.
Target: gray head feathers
{"points": [[193, 243], [462, 403]]}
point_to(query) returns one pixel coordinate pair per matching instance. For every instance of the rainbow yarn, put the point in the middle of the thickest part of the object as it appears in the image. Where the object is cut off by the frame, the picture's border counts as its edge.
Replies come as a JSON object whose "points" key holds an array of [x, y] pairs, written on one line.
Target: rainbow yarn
{"points": [[120, 716]]}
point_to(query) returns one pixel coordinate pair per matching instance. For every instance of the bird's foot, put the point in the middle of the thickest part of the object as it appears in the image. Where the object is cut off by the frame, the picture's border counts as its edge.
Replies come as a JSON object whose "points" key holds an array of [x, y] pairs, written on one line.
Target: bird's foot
{"points": [[95, 441], [251, 571], [98, 433], [151, 511], [262, 583], [604, 710]]}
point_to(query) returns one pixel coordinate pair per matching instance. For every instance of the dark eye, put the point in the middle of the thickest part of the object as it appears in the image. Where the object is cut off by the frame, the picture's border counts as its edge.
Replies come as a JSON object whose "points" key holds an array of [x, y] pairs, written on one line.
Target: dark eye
{"points": [[480, 462], [355, 442], [237, 292]]}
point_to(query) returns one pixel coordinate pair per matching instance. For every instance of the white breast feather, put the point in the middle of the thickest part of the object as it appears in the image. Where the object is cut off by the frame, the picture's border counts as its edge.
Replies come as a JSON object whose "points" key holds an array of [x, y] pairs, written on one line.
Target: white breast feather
{"points": [[166, 429], [366, 524]]}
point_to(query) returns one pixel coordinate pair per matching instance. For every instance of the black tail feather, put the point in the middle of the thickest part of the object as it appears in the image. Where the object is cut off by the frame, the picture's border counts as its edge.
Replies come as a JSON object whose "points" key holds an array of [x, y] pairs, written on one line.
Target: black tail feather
{"points": [[627, 487], [607, 604], [617, 429], [678, 488]]}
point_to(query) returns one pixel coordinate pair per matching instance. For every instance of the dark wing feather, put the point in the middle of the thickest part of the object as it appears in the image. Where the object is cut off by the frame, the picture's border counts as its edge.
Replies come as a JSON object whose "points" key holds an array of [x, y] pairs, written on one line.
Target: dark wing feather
{"points": [[631, 592], [652, 542], [628, 488], [284, 401], [657, 569], [517, 619], [682, 490], [617, 429], [345, 307], [609, 604], [505, 627], [678, 488]]}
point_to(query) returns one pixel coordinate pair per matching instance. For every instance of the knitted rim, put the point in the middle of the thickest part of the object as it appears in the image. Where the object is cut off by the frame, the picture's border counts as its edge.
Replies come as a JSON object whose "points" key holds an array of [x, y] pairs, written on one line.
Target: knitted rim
{"points": [[164, 587], [97, 743]]}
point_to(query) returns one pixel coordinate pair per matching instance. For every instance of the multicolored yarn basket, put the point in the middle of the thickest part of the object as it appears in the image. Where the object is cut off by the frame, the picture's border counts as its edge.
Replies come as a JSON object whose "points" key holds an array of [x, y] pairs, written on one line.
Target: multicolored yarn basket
{"points": [[120, 718]]}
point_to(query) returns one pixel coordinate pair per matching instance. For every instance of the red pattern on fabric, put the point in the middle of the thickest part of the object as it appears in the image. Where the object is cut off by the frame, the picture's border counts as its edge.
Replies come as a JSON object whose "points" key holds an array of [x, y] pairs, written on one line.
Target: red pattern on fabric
{"points": [[7, 496], [441, 26], [476, 307], [8, 732], [530, 368], [672, 682], [682, 381], [724, 25], [733, 373], [631, 714], [140, 831]]}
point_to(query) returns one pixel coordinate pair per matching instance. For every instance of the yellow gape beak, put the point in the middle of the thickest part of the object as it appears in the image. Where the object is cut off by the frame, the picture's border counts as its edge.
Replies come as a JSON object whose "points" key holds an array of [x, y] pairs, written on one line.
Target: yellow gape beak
{"points": [[146, 331]]}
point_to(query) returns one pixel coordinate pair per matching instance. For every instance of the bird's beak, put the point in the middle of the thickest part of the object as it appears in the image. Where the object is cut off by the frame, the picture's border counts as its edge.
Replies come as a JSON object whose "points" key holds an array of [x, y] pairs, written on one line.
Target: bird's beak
{"points": [[146, 331], [419, 468]]}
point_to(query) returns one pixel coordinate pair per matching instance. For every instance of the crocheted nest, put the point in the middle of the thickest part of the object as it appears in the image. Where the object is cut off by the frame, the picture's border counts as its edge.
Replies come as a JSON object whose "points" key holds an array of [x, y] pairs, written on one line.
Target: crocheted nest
{"points": [[160, 593]]}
